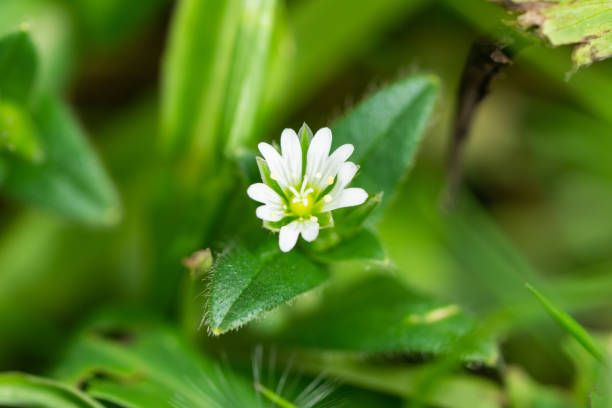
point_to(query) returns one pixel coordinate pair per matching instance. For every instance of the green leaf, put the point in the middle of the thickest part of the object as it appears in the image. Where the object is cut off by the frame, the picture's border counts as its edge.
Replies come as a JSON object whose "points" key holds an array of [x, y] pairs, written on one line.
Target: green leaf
{"points": [[150, 366], [387, 128], [588, 24], [18, 134], [18, 64], [71, 180], [213, 77], [380, 315], [245, 283], [24, 390], [50, 27], [569, 324]]}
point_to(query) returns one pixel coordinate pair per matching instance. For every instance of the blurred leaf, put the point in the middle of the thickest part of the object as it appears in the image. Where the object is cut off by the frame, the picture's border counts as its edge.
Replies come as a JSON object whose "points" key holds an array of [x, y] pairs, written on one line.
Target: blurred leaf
{"points": [[587, 24], [213, 77], [458, 390], [18, 65], [245, 283], [363, 246], [50, 28], [524, 392], [569, 324], [151, 366], [592, 384], [17, 133], [387, 128], [106, 22], [22, 390], [380, 315], [322, 53], [71, 180]]}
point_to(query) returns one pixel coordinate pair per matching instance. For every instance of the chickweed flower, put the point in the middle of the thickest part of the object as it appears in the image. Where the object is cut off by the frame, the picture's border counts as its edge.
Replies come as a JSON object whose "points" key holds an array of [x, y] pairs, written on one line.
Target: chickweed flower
{"points": [[303, 184]]}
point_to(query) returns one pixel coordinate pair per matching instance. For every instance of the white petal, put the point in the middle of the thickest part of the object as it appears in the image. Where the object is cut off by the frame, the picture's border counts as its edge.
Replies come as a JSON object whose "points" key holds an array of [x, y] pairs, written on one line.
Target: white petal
{"points": [[270, 213], [310, 230], [346, 198], [332, 165], [292, 155], [318, 151], [264, 194], [288, 236], [275, 162], [346, 173]]}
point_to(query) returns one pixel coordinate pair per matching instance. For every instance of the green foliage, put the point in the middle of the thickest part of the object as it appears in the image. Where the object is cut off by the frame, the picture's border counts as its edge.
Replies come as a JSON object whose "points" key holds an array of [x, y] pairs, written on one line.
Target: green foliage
{"points": [[213, 77], [22, 390], [380, 315], [322, 53], [363, 246], [150, 365], [108, 22], [17, 133], [246, 283], [387, 128], [238, 71], [71, 180], [587, 24], [17, 67], [568, 323]]}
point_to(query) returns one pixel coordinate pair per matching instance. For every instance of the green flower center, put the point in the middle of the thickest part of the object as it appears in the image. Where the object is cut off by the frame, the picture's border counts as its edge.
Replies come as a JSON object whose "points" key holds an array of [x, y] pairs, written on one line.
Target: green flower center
{"points": [[301, 205]]}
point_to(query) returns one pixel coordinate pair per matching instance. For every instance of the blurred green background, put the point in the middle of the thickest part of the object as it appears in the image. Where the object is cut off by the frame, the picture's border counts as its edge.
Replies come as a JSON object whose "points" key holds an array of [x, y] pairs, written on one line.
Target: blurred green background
{"points": [[537, 189]]}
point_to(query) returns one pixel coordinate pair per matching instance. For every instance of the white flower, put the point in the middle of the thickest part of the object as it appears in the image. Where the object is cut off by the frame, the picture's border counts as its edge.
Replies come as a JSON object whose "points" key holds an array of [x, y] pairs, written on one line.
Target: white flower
{"points": [[300, 188]]}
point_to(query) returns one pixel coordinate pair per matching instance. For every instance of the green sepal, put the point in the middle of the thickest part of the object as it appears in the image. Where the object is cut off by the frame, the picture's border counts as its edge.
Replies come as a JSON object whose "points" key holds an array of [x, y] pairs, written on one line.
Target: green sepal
{"points": [[305, 136], [326, 220], [264, 172], [276, 225]]}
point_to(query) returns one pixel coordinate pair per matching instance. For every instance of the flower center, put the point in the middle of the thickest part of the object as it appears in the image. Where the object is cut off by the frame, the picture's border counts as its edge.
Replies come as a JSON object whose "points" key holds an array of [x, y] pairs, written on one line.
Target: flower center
{"points": [[301, 205]]}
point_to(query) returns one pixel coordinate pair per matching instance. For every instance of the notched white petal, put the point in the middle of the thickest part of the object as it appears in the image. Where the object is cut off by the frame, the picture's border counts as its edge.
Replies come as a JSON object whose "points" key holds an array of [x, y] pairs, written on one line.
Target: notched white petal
{"points": [[347, 198], [276, 164], [318, 152], [346, 173], [292, 155], [310, 230], [269, 213], [287, 238], [264, 194]]}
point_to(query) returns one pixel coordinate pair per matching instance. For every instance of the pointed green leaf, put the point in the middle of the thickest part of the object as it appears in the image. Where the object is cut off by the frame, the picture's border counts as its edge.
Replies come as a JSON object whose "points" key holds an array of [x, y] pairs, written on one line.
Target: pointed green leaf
{"points": [[18, 63], [71, 179], [22, 390], [214, 76], [387, 128], [245, 283], [568, 323], [380, 315]]}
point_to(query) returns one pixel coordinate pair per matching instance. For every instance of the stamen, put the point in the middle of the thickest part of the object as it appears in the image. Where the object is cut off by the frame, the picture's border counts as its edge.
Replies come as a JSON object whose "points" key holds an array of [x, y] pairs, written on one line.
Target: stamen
{"points": [[318, 175], [330, 180], [327, 198]]}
